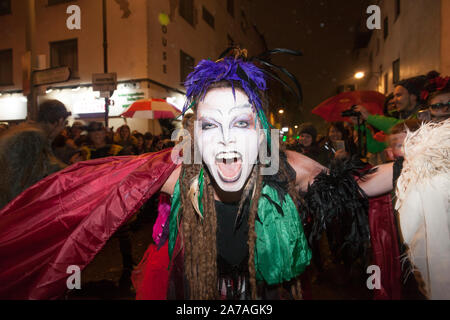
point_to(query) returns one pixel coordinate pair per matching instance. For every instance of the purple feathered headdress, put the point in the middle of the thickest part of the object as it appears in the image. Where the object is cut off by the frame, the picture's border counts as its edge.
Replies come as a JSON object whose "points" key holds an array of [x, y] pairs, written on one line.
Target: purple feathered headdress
{"points": [[236, 68], [250, 77]]}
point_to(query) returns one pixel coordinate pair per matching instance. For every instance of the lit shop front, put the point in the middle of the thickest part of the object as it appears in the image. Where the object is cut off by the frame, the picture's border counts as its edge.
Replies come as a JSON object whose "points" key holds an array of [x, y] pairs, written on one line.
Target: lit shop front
{"points": [[87, 105]]}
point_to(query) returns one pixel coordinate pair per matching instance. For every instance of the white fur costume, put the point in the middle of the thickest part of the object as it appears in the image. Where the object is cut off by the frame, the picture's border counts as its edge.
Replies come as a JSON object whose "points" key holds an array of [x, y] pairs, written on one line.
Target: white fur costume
{"points": [[423, 203]]}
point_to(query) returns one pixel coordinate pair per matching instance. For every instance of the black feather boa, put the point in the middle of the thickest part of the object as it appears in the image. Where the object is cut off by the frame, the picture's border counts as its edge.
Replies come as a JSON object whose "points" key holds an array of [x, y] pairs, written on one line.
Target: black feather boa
{"points": [[335, 199]]}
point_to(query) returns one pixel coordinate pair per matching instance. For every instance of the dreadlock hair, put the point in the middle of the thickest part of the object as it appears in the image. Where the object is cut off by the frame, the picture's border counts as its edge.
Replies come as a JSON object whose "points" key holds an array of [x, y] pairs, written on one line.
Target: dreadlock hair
{"points": [[198, 234]]}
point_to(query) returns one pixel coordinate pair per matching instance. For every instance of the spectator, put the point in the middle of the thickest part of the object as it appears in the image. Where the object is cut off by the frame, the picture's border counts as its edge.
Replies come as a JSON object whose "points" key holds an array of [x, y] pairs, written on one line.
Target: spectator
{"points": [[389, 109], [307, 143], [397, 137], [407, 99], [125, 139], [139, 148], [26, 155], [157, 143], [336, 144], [98, 146], [148, 142], [64, 151], [437, 94], [75, 137]]}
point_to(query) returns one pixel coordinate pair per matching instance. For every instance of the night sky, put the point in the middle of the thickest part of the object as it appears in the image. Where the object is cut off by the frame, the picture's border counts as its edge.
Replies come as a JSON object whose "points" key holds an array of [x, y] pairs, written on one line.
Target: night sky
{"points": [[324, 30]]}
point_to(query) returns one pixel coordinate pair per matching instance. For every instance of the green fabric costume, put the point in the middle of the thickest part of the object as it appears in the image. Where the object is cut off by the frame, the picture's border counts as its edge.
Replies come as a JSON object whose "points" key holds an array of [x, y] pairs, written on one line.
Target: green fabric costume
{"points": [[281, 249]]}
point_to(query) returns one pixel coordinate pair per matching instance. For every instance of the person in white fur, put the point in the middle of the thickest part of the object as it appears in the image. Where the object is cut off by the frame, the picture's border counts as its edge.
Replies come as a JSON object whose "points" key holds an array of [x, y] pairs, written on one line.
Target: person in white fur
{"points": [[423, 203]]}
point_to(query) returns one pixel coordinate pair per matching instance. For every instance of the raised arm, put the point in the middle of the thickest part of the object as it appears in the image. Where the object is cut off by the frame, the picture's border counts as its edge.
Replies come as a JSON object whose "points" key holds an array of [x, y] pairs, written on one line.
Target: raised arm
{"points": [[379, 182], [305, 168], [375, 184]]}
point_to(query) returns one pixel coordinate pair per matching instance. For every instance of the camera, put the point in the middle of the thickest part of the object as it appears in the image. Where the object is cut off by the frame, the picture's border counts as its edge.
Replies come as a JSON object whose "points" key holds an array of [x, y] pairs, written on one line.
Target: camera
{"points": [[351, 112]]}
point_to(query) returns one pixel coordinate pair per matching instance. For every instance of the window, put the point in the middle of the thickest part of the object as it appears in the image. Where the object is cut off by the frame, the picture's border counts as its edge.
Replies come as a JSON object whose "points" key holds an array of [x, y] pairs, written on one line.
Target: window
{"points": [[6, 67], [396, 71], [65, 53], [208, 17], [230, 7], [186, 65], [5, 7], [186, 10], [397, 9], [386, 28], [55, 2]]}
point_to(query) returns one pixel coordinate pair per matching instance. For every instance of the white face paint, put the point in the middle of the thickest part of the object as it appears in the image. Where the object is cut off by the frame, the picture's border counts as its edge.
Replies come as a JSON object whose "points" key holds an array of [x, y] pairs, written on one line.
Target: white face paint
{"points": [[227, 137]]}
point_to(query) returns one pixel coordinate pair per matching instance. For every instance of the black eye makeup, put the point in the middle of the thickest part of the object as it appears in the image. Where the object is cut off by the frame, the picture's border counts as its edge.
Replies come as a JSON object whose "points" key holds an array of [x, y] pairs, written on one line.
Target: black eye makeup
{"points": [[208, 124], [243, 121]]}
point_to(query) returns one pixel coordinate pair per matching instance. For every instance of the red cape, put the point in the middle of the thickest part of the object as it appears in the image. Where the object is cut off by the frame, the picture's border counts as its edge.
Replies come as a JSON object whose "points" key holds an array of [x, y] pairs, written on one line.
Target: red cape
{"points": [[66, 219]]}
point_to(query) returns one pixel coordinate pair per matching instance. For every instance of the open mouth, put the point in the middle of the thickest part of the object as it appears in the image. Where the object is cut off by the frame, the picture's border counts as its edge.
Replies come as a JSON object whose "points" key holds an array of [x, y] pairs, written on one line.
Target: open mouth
{"points": [[229, 166]]}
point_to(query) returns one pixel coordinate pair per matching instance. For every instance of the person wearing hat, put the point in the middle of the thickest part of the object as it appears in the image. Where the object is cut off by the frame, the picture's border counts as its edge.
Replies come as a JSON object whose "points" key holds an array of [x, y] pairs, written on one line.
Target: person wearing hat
{"points": [[26, 154], [307, 143], [98, 146], [407, 100], [437, 95]]}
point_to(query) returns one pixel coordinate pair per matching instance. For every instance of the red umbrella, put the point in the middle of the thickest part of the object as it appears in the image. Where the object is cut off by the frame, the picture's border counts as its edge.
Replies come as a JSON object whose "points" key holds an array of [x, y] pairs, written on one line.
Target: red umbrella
{"points": [[331, 109], [151, 109]]}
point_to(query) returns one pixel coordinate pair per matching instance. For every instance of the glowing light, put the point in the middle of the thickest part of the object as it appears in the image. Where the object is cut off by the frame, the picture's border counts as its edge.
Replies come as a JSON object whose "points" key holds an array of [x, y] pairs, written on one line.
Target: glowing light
{"points": [[163, 19], [359, 75], [296, 127], [284, 138], [285, 129], [281, 111]]}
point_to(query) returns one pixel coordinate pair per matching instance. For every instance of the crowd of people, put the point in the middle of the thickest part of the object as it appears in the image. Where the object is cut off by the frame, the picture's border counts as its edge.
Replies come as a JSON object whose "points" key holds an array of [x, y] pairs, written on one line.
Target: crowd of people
{"points": [[415, 100], [81, 142], [32, 151]]}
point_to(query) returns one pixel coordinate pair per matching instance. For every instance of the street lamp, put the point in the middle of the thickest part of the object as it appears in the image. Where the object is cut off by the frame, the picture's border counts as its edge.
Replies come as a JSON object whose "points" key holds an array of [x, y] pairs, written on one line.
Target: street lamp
{"points": [[359, 75]]}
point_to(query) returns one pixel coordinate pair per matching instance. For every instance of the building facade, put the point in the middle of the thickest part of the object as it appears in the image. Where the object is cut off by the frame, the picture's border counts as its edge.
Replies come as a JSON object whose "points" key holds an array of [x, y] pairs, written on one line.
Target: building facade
{"points": [[151, 45], [414, 39]]}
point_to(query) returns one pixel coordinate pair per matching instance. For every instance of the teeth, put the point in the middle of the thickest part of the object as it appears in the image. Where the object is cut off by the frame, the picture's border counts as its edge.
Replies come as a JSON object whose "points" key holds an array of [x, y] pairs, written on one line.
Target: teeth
{"points": [[228, 156]]}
